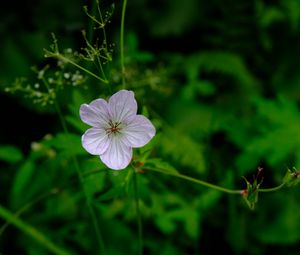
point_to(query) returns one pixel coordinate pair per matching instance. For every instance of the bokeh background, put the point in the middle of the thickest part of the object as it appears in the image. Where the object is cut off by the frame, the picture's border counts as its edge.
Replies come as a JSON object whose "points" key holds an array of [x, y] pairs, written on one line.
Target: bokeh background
{"points": [[221, 82]]}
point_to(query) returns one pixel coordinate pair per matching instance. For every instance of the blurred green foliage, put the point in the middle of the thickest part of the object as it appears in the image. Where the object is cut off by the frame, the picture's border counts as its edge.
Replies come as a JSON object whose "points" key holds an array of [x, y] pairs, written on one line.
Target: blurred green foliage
{"points": [[219, 80]]}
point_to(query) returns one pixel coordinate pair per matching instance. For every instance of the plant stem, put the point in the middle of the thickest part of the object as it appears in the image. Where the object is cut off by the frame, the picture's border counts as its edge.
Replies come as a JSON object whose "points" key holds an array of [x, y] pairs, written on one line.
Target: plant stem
{"points": [[138, 213], [31, 231], [63, 58], [272, 189], [122, 42], [188, 178], [81, 179], [28, 206]]}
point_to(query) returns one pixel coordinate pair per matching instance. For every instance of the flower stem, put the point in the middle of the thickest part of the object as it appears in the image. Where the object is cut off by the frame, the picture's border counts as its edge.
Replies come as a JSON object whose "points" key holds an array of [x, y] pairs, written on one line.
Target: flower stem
{"points": [[272, 189], [122, 42], [138, 213], [188, 178], [80, 176], [81, 179], [31, 231], [64, 59], [82, 68]]}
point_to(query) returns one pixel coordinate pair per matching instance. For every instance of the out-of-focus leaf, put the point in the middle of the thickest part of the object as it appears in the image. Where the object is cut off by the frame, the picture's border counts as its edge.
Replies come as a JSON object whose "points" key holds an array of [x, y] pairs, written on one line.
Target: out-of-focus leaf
{"points": [[161, 165], [10, 154], [285, 227], [76, 123], [22, 180], [278, 137], [67, 144]]}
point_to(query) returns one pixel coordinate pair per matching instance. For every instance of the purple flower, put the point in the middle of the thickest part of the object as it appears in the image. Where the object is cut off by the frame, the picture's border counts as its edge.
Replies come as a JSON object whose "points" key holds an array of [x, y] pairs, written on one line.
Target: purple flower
{"points": [[116, 129]]}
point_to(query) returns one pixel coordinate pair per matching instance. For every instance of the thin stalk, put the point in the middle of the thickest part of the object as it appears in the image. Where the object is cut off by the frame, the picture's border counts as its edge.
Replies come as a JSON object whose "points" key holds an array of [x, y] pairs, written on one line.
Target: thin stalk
{"points": [[188, 178], [102, 21], [31, 231], [81, 179], [91, 29], [272, 189], [28, 206], [122, 42], [63, 58], [88, 200], [97, 56], [138, 213]]}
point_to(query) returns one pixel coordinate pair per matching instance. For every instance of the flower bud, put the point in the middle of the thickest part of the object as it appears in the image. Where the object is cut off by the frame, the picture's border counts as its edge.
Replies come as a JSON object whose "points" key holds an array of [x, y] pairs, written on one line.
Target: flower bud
{"points": [[292, 177]]}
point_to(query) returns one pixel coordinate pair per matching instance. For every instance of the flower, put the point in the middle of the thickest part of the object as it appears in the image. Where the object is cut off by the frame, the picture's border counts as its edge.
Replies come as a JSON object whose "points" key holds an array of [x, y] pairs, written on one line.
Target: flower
{"points": [[116, 129]]}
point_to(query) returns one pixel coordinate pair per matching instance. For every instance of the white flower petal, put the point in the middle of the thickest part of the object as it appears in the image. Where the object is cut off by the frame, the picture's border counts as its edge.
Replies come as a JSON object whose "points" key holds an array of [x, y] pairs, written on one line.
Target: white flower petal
{"points": [[118, 155], [95, 141], [138, 132], [95, 114], [122, 105]]}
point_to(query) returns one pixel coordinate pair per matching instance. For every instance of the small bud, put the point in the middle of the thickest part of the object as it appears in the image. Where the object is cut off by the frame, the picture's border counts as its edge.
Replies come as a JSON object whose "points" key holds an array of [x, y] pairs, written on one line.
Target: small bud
{"points": [[250, 194], [292, 177]]}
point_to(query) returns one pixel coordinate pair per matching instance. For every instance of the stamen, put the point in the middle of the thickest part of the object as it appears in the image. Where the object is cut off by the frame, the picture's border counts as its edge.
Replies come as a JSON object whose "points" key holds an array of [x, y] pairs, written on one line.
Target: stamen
{"points": [[114, 127]]}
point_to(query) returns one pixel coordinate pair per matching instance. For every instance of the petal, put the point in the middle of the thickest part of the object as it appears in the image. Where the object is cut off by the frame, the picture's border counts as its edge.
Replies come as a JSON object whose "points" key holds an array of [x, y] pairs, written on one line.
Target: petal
{"points": [[95, 141], [118, 155], [95, 114], [122, 105], [138, 132]]}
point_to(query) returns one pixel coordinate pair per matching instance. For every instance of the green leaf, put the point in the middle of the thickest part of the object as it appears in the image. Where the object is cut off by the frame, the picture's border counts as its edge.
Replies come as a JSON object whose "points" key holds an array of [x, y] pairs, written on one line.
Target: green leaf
{"points": [[182, 148], [67, 144], [10, 154], [161, 165], [284, 226], [21, 181]]}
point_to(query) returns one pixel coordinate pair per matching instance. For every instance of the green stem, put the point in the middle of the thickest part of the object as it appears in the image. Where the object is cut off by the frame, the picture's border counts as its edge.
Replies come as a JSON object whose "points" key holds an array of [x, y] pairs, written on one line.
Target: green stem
{"points": [[88, 200], [63, 58], [272, 189], [188, 178], [122, 42], [138, 213], [28, 206], [91, 29], [31, 231], [81, 179]]}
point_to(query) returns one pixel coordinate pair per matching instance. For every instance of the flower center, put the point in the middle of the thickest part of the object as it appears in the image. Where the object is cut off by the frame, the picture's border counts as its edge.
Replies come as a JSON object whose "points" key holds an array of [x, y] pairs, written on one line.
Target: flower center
{"points": [[114, 127]]}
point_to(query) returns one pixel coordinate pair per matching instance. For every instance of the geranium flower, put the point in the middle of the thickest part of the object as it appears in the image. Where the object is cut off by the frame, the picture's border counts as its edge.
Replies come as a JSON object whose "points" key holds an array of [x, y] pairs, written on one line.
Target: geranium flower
{"points": [[116, 129]]}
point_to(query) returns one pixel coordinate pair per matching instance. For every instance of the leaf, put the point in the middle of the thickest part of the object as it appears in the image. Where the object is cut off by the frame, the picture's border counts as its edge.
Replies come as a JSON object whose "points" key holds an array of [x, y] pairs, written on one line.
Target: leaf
{"points": [[283, 228], [22, 179], [76, 123], [67, 144], [227, 63], [161, 165], [10, 154], [183, 149], [277, 137], [94, 183]]}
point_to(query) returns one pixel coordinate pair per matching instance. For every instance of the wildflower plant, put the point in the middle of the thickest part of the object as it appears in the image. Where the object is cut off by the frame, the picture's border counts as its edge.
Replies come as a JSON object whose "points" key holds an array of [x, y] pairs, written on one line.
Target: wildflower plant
{"points": [[116, 129], [125, 137]]}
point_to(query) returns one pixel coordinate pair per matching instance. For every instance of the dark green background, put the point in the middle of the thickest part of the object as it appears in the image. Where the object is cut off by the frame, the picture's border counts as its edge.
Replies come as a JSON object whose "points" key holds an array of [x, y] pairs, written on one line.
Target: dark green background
{"points": [[221, 82]]}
